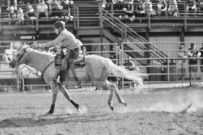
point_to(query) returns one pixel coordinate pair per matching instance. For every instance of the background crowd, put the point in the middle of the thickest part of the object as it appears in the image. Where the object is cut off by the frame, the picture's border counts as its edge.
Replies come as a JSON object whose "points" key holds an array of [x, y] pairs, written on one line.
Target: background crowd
{"points": [[22, 10], [140, 8], [190, 58], [129, 9]]}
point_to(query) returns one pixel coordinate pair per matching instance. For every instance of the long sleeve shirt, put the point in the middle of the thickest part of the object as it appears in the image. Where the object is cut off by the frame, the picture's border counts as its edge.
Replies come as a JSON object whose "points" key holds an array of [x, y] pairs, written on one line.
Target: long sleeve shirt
{"points": [[65, 39]]}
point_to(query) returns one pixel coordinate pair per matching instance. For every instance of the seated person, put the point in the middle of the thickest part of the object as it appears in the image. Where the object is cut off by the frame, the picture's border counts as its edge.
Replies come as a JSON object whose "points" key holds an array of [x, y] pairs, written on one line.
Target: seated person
{"points": [[200, 5], [67, 11], [191, 6], [138, 9], [31, 14], [69, 2], [128, 13], [161, 7], [12, 3], [12, 13], [118, 5], [147, 5], [173, 8], [20, 16], [107, 4], [42, 9], [56, 10]]}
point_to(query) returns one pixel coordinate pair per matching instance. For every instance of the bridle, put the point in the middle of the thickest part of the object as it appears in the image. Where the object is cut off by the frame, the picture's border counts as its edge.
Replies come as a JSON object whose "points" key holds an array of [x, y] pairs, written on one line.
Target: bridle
{"points": [[43, 71]]}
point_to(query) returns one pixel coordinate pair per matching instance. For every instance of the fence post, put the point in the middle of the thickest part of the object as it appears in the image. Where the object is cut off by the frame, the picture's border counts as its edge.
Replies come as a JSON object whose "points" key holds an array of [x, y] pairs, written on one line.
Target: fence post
{"points": [[77, 14], [149, 20], [168, 67], [185, 17], [37, 22], [0, 19], [101, 17]]}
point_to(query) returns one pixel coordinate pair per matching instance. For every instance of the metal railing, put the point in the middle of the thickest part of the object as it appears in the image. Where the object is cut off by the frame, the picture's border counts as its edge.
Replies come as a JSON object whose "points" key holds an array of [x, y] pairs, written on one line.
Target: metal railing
{"points": [[128, 34], [102, 49]]}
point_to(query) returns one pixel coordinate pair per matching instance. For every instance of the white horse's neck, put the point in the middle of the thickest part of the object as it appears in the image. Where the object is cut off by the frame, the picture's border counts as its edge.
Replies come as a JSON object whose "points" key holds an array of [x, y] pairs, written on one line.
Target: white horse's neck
{"points": [[39, 60]]}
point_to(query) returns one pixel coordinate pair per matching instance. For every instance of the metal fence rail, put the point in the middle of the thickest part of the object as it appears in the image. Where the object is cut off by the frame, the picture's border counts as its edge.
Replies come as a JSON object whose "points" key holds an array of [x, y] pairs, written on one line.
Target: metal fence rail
{"points": [[171, 71], [103, 49]]}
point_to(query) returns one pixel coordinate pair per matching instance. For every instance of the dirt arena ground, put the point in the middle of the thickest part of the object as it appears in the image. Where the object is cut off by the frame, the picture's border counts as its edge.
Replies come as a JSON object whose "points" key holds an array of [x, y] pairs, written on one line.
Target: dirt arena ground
{"points": [[148, 113]]}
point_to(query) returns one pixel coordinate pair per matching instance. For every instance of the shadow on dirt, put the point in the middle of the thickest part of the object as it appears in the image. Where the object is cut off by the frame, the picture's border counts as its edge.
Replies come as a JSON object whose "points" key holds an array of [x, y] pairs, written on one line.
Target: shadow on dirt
{"points": [[54, 119]]}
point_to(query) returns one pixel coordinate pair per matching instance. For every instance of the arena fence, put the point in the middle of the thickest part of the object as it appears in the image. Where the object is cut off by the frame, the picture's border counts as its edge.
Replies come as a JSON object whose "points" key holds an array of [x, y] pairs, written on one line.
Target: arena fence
{"points": [[175, 70], [172, 71], [27, 78]]}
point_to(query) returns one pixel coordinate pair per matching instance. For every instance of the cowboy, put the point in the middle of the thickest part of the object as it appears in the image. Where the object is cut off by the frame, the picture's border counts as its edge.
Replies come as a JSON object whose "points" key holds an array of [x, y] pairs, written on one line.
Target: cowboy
{"points": [[65, 40]]}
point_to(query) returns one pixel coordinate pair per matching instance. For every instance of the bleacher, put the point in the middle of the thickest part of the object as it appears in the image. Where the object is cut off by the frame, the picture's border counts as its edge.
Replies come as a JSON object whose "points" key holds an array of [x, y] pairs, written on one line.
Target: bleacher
{"points": [[88, 16]]}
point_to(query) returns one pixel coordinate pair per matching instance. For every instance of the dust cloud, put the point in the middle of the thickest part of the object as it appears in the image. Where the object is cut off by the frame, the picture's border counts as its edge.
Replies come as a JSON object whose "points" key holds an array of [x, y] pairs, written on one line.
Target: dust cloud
{"points": [[187, 102]]}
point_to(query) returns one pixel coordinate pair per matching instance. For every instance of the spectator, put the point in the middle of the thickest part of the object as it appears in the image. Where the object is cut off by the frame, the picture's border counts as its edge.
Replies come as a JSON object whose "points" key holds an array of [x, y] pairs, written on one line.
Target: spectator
{"points": [[42, 9], [191, 6], [107, 4], [56, 10], [67, 11], [12, 3], [129, 64], [7, 57], [147, 5], [181, 65], [84, 51], [161, 7], [69, 2], [31, 14], [173, 8], [20, 16], [12, 13], [128, 12], [200, 5], [138, 9], [193, 55], [201, 62], [119, 5]]}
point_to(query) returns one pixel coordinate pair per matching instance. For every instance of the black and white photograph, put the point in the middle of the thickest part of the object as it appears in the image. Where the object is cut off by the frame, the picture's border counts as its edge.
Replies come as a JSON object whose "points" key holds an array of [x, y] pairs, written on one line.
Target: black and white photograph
{"points": [[101, 67]]}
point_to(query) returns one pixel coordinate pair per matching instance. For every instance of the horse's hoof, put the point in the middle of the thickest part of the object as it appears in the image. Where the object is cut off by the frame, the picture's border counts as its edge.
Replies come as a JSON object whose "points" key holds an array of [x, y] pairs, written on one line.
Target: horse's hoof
{"points": [[50, 112], [77, 108], [125, 104], [111, 107]]}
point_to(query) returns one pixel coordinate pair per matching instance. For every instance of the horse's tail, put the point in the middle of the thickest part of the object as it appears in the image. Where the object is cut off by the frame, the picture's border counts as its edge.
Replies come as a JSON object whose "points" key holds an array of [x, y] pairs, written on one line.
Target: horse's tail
{"points": [[121, 71]]}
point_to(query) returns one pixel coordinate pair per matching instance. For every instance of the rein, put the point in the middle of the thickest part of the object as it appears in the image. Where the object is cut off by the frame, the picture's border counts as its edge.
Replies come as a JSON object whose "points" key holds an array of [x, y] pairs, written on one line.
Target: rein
{"points": [[43, 71], [31, 71]]}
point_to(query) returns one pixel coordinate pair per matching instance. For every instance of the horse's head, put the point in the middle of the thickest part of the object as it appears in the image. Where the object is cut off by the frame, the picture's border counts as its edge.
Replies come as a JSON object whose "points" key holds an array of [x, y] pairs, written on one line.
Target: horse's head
{"points": [[21, 57]]}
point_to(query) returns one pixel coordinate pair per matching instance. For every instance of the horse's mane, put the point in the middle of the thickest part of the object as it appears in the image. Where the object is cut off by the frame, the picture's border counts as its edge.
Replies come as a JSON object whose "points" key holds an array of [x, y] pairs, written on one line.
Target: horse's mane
{"points": [[42, 52]]}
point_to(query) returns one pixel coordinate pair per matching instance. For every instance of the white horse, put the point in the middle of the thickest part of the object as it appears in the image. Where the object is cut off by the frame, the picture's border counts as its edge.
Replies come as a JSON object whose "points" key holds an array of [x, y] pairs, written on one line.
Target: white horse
{"points": [[96, 69]]}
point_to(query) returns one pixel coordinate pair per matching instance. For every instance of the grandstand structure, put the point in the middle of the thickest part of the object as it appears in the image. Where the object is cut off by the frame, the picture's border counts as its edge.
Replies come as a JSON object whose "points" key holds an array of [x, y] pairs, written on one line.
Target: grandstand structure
{"points": [[146, 39]]}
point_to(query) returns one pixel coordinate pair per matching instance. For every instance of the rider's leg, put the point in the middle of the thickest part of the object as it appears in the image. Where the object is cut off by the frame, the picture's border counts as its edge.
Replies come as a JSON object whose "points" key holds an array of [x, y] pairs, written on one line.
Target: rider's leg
{"points": [[70, 57]]}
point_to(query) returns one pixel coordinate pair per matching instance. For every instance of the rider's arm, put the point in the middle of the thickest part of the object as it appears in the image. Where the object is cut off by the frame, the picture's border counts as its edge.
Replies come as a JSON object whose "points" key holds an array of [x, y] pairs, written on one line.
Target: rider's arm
{"points": [[58, 40]]}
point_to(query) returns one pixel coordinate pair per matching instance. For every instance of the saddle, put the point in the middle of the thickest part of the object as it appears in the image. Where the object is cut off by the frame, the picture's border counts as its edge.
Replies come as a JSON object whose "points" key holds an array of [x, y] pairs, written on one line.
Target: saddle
{"points": [[79, 61]]}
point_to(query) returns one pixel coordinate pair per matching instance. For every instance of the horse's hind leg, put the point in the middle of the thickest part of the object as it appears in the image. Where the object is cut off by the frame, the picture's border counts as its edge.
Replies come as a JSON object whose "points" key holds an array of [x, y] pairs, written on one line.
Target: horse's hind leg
{"points": [[107, 86], [113, 88], [120, 99]]}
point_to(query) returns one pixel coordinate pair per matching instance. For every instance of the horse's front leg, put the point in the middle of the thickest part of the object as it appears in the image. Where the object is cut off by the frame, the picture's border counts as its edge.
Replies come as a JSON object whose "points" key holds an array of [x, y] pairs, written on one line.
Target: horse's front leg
{"points": [[54, 96], [54, 86], [68, 97]]}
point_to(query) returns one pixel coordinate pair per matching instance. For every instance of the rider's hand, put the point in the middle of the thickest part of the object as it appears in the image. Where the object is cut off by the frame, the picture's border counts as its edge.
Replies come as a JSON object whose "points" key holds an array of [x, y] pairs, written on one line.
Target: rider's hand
{"points": [[39, 46]]}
